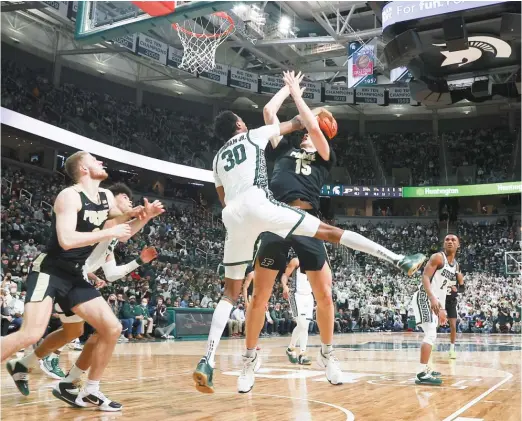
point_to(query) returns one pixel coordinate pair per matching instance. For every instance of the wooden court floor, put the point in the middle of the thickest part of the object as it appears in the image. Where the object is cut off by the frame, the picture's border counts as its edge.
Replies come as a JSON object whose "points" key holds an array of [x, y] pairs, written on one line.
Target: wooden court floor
{"points": [[153, 382]]}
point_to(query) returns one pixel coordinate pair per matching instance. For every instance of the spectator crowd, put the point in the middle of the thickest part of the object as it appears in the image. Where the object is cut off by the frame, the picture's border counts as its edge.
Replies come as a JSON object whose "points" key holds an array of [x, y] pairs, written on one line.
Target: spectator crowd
{"points": [[369, 295]]}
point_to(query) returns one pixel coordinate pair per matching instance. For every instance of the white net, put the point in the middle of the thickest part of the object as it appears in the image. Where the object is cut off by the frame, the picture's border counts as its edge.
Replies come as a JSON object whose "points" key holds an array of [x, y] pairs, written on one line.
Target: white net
{"points": [[200, 38]]}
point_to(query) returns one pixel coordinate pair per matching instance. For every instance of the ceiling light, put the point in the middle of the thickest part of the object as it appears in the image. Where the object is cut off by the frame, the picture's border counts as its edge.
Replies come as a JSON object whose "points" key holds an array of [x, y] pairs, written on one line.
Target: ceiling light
{"points": [[398, 115], [101, 72], [240, 8], [467, 112], [285, 24], [15, 40], [255, 106]]}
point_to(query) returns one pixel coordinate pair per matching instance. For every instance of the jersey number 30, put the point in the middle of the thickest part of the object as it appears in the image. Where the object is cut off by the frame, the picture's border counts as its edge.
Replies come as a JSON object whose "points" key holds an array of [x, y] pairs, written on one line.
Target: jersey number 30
{"points": [[234, 157]]}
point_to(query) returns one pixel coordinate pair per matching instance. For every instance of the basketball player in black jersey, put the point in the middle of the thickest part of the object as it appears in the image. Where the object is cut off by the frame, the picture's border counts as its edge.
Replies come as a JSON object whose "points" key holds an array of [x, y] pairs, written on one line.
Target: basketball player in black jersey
{"points": [[79, 215], [451, 309], [298, 176]]}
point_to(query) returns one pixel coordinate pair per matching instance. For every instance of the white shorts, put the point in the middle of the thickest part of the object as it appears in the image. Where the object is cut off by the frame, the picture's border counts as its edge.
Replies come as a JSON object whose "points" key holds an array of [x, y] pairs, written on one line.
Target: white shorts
{"points": [[302, 305], [422, 308], [251, 214], [64, 319]]}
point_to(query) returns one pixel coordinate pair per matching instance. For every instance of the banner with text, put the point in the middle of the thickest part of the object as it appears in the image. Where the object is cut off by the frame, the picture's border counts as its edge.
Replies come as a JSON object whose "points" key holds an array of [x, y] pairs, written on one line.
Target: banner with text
{"points": [[271, 84], [175, 57], [360, 65], [243, 80], [368, 95], [338, 93], [400, 96], [219, 74], [59, 8], [400, 74], [312, 91], [361, 191], [128, 42], [457, 191], [152, 48]]}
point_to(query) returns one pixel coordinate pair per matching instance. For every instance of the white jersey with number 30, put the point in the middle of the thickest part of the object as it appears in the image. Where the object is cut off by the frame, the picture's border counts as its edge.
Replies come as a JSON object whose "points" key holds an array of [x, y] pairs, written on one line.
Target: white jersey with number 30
{"points": [[240, 163]]}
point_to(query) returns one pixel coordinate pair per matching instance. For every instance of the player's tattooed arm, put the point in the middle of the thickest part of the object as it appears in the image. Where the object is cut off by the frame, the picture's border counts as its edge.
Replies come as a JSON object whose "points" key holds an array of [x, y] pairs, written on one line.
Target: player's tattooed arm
{"points": [[431, 267]]}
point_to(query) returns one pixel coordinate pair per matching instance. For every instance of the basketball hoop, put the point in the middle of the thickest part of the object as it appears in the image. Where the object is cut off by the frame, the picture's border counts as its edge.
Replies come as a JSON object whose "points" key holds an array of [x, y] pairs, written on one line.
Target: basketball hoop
{"points": [[200, 38]]}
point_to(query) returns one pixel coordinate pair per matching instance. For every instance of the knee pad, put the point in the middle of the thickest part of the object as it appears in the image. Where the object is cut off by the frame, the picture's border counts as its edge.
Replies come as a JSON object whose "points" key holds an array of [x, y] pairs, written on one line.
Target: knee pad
{"points": [[430, 333]]}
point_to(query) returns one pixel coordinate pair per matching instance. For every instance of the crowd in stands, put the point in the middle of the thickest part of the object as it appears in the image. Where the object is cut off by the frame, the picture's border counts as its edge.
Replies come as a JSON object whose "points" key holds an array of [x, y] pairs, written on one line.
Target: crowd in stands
{"points": [[170, 134], [369, 295]]}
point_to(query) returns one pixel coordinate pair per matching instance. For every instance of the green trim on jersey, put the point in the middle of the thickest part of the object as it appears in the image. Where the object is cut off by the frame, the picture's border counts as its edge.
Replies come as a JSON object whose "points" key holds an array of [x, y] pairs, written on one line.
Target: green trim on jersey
{"points": [[256, 175]]}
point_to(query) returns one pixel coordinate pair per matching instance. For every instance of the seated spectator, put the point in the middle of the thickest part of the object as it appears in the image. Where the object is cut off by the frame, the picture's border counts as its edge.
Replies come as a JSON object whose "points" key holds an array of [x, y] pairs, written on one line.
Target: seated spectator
{"points": [[160, 318], [236, 321]]}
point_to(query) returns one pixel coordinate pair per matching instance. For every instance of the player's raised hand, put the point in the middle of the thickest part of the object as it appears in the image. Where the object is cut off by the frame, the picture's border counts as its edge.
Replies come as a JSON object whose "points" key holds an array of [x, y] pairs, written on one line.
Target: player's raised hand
{"points": [[148, 254], [138, 212], [121, 231], [292, 81], [153, 209]]}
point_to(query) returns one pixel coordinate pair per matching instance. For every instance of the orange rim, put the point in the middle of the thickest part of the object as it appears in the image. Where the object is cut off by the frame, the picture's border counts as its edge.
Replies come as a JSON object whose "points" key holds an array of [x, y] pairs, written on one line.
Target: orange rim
{"points": [[221, 15]]}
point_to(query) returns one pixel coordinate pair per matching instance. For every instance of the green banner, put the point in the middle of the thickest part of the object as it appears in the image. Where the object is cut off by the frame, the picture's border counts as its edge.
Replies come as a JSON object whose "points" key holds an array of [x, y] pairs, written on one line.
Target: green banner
{"points": [[457, 191]]}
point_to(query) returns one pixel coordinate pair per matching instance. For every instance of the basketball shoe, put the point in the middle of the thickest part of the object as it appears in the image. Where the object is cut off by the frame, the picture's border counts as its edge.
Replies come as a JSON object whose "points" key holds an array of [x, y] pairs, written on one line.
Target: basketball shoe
{"points": [[304, 360], [428, 378], [247, 378], [20, 375], [203, 377], [411, 264], [331, 365], [291, 354], [49, 366]]}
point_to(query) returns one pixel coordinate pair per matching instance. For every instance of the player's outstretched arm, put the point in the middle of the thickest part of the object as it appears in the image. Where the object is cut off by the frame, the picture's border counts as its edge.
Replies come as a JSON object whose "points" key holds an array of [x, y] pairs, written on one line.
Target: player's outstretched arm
{"points": [[292, 266], [66, 208], [307, 116], [113, 272], [271, 109], [431, 267]]}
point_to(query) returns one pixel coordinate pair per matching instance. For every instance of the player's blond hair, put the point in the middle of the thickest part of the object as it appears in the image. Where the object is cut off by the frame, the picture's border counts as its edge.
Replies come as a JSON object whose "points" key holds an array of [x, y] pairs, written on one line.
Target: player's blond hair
{"points": [[72, 164]]}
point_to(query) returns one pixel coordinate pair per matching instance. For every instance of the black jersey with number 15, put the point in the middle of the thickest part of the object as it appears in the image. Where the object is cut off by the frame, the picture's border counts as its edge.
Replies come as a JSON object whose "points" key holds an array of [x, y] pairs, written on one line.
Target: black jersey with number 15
{"points": [[299, 174]]}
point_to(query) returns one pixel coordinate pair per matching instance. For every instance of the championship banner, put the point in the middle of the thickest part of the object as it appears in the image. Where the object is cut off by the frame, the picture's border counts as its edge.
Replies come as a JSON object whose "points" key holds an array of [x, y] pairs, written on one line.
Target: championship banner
{"points": [[360, 64], [402, 11], [153, 49], [218, 74], [400, 96], [338, 93], [72, 10], [128, 42], [460, 191], [59, 8], [174, 57], [271, 84], [312, 91], [243, 80], [369, 95]]}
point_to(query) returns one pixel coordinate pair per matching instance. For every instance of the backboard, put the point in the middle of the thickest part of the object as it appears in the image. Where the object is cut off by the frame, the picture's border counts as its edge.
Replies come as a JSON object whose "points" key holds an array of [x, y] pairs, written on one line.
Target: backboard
{"points": [[513, 262], [99, 21]]}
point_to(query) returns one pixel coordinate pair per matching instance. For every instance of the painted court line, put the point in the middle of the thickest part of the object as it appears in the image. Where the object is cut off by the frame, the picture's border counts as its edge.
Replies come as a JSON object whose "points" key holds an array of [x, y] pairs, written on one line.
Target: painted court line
{"points": [[477, 399]]}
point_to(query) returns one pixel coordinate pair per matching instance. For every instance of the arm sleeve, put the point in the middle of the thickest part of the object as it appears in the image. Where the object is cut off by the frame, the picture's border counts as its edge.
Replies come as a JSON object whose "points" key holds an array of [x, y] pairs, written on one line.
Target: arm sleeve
{"points": [[261, 136], [113, 272], [217, 180]]}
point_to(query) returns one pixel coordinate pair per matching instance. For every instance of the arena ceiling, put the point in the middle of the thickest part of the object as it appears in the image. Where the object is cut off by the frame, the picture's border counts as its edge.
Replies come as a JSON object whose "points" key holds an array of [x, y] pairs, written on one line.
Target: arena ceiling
{"points": [[315, 43]]}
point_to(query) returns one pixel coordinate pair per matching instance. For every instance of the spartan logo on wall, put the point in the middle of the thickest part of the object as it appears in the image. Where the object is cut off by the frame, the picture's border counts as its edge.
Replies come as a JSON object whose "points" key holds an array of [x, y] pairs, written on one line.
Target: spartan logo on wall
{"points": [[477, 46]]}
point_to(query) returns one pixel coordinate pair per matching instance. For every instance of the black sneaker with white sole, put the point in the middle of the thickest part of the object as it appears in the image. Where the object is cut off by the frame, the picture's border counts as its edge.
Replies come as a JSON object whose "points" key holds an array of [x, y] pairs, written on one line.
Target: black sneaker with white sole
{"points": [[67, 392], [85, 399]]}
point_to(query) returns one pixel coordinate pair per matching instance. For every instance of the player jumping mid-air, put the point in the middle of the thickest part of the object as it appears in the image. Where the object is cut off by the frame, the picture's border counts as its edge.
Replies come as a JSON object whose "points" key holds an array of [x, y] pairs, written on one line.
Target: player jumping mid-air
{"points": [[250, 209]]}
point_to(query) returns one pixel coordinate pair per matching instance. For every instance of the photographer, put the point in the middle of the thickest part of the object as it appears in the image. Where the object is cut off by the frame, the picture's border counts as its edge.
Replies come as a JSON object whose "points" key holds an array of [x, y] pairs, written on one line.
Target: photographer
{"points": [[160, 318]]}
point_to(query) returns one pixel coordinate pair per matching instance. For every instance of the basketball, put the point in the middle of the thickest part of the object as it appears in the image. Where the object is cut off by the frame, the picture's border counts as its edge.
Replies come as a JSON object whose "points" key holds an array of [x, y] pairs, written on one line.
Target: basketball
{"points": [[328, 125]]}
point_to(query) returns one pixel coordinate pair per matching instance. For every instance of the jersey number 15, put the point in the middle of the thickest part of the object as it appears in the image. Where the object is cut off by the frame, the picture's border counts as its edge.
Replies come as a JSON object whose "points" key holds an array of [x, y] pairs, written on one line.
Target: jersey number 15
{"points": [[234, 157], [302, 166]]}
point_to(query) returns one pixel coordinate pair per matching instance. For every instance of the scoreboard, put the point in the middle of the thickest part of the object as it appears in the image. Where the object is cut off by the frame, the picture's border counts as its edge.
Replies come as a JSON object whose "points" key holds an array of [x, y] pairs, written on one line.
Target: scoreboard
{"points": [[384, 192]]}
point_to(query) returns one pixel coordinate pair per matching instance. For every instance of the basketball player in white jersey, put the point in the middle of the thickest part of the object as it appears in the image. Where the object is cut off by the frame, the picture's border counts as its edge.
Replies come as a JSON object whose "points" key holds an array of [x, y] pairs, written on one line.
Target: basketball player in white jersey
{"points": [[249, 209], [72, 325], [302, 305], [440, 274]]}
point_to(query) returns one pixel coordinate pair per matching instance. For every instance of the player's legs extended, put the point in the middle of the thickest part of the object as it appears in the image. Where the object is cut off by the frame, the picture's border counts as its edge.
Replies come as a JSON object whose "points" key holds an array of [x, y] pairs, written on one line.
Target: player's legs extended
{"points": [[255, 317], [36, 318], [55, 340], [453, 337], [84, 361]]}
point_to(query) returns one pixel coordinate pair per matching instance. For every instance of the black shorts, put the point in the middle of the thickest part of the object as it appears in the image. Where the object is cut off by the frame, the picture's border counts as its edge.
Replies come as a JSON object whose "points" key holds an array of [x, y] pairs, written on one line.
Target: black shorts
{"points": [[451, 307], [68, 290], [272, 252]]}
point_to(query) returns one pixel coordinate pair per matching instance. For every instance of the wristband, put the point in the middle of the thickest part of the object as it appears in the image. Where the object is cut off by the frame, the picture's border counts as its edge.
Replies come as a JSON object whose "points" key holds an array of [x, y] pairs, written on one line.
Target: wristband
{"points": [[139, 261]]}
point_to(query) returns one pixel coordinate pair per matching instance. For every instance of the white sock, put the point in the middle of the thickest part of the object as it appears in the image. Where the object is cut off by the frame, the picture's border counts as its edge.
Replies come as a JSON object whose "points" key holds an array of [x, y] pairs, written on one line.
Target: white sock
{"points": [[326, 349], [219, 322], [61, 348], [452, 347], [303, 338], [249, 353], [53, 355], [295, 337], [359, 242], [30, 360], [423, 368], [74, 374], [92, 386]]}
